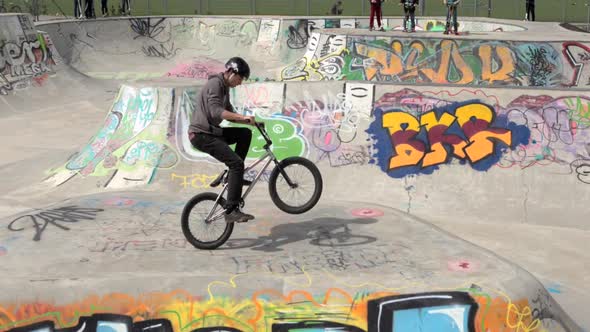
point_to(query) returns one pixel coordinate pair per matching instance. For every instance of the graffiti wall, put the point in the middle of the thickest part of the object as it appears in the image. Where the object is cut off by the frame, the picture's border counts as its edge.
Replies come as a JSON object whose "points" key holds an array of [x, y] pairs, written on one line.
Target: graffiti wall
{"points": [[27, 58], [441, 61], [400, 131], [468, 310], [295, 50]]}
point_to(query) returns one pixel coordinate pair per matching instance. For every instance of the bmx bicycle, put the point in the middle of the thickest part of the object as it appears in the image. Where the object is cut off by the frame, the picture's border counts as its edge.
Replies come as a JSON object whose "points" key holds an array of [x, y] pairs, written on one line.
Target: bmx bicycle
{"points": [[206, 211]]}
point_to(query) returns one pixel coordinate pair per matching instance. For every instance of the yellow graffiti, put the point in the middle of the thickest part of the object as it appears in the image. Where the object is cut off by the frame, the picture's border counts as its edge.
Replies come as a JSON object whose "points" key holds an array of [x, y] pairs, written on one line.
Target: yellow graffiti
{"points": [[474, 120], [261, 310], [438, 154], [497, 62], [516, 319], [481, 144], [405, 154], [195, 181], [504, 58], [450, 52]]}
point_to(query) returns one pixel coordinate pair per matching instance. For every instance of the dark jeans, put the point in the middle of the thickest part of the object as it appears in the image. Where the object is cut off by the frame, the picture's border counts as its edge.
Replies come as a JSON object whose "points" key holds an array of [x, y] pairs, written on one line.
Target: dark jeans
{"points": [[78, 8], [410, 14], [218, 148], [90, 9], [125, 6], [452, 18], [530, 11], [375, 12], [104, 7]]}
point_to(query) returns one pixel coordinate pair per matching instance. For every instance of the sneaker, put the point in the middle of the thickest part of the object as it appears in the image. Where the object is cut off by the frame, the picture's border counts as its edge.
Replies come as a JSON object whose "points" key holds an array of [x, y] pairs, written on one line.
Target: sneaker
{"points": [[371, 29], [446, 32], [381, 29], [456, 32], [413, 30], [237, 216]]}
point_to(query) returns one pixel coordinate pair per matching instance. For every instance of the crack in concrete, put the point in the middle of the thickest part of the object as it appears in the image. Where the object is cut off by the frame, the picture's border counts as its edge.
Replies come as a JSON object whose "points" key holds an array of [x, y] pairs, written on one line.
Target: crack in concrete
{"points": [[408, 188], [526, 199]]}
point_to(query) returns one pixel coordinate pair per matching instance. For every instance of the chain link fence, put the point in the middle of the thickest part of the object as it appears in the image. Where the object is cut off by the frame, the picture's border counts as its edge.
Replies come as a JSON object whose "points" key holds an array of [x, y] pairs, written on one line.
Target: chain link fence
{"points": [[568, 11]]}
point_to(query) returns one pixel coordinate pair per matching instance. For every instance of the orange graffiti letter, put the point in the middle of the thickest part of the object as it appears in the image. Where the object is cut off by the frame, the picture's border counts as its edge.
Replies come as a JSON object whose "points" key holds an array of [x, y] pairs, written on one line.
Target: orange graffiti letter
{"points": [[449, 55], [505, 63], [475, 120], [436, 129], [380, 61], [403, 127]]}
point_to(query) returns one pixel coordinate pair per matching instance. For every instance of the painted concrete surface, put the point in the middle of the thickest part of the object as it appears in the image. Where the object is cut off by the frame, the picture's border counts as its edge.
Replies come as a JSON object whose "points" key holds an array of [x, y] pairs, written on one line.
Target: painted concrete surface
{"points": [[486, 139]]}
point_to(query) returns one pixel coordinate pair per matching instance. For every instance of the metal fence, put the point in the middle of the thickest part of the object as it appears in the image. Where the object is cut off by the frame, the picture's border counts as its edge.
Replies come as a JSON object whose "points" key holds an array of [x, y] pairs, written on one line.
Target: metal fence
{"points": [[571, 11]]}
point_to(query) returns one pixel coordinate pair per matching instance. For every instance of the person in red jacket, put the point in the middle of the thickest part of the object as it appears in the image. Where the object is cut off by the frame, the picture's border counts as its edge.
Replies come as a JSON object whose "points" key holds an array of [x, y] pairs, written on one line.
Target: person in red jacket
{"points": [[409, 11], [375, 13]]}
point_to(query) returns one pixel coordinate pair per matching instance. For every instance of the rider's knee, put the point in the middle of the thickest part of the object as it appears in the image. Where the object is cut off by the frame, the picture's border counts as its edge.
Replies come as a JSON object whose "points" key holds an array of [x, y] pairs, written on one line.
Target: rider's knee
{"points": [[236, 165]]}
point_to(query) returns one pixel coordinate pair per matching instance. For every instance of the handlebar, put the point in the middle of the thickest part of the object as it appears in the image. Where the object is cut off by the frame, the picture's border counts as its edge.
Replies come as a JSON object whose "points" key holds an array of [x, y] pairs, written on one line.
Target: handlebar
{"points": [[261, 128]]}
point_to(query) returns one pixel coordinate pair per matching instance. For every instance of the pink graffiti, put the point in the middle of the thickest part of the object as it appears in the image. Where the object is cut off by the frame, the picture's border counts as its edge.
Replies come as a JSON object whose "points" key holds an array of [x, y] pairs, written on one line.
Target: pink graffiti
{"points": [[463, 265], [118, 201], [200, 69], [366, 213]]}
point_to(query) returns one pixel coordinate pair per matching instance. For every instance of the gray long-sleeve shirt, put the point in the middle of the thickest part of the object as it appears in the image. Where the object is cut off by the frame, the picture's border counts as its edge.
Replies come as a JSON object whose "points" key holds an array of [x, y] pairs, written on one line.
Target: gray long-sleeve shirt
{"points": [[211, 102]]}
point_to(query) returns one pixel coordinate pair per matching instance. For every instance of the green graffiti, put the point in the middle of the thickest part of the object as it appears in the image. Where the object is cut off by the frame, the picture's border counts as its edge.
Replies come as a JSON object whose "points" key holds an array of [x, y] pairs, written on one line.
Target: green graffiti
{"points": [[287, 142], [578, 110]]}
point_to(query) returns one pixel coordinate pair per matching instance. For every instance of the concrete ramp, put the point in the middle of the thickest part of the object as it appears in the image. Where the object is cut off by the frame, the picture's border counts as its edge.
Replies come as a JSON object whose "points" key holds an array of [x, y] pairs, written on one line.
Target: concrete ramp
{"points": [[407, 130]]}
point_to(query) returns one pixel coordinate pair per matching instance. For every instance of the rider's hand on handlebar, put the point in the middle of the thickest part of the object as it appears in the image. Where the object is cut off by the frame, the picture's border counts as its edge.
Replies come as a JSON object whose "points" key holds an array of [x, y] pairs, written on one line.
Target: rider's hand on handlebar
{"points": [[249, 119]]}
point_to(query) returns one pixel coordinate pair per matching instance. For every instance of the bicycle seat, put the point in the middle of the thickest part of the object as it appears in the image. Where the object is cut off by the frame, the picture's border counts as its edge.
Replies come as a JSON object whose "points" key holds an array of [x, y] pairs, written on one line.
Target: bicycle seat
{"points": [[218, 180]]}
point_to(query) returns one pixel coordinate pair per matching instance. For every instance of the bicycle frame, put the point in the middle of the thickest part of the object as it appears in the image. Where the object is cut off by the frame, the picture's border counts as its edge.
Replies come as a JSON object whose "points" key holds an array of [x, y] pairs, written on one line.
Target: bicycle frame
{"points": [[271, 157]]}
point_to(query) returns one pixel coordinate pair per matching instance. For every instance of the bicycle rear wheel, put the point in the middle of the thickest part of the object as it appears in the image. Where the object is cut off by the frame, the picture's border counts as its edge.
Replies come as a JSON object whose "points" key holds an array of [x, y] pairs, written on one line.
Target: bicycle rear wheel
{"points": [[308, 181], [202, 234]]}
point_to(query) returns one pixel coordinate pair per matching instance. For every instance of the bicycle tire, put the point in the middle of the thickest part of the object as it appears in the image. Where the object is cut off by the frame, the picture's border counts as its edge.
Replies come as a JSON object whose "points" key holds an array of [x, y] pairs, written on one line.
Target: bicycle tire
{"points": [[185, 223], [318, 185]]}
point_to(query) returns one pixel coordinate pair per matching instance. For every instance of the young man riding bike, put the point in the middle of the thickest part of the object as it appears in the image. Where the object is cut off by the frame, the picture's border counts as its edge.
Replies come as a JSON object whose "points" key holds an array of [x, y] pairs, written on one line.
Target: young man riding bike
{"points": [[212, 107]]}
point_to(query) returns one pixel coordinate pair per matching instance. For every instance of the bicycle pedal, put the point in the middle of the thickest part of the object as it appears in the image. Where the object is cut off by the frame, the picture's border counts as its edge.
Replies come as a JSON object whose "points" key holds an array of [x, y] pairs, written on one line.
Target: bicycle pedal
{"points": [[219, 179]]}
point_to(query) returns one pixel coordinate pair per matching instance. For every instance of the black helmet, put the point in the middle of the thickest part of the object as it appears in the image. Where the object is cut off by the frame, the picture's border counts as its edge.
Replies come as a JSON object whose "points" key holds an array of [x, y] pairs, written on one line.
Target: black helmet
{"points": [[238, 66]]}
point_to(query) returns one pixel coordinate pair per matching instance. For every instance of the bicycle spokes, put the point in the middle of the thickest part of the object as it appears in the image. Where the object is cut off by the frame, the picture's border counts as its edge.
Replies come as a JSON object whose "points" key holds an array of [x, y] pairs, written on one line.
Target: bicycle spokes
{"points": [[298, 193]]}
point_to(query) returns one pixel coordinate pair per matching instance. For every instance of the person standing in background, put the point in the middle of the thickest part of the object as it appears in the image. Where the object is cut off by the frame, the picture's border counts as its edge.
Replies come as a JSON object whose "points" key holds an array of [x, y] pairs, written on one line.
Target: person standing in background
{"points": [[409, 13], [78, 13], [375, 13], [125, 7], [336, 8], [104, 7], [452, 16], [90, 13], [530, 10]]}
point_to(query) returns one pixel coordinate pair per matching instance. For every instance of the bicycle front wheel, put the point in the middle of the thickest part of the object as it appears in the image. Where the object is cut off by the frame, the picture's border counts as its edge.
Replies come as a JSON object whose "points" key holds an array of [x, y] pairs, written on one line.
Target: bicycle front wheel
{"points": [[307, 190], [203, 234]]}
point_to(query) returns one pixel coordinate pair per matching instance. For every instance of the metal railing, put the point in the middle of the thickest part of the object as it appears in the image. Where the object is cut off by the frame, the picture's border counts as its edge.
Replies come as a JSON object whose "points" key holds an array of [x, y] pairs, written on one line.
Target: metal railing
{"points": [[570, 11]]}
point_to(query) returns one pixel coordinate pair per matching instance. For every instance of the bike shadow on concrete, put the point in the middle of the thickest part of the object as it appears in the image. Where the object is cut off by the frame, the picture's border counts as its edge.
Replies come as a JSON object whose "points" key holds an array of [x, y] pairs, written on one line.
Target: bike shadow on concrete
{"points": [[322, 232]]}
